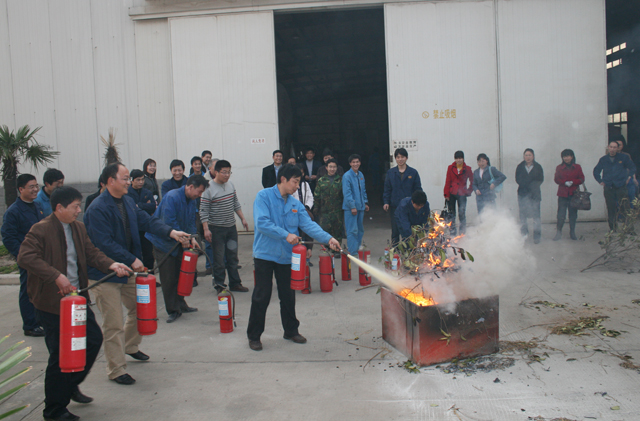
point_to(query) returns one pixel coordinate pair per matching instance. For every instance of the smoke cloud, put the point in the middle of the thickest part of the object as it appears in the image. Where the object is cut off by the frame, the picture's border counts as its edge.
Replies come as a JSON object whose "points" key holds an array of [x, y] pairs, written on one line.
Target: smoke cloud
{"points": [[500, 260]]}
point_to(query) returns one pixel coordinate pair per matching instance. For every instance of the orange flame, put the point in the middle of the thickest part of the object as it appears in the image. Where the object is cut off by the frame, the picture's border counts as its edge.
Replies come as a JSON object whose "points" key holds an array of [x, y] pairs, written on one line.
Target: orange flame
{"points": [[416, 298]]}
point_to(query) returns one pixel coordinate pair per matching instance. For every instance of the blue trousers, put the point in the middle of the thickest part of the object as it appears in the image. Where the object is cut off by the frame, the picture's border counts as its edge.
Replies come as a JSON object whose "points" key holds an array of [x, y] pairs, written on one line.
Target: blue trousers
{"points": [[27, 310], [353, 225], [209, 250]]}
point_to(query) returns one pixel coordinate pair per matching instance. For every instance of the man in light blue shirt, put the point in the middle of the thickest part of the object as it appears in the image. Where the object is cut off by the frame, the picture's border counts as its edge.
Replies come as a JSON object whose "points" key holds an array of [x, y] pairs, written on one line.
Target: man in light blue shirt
{"points": [[354, 204], [277, 218]]}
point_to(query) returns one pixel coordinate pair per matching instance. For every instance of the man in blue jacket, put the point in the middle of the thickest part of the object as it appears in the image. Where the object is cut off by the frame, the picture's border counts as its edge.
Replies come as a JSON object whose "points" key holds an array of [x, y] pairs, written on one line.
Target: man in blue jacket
{"points": [[617, 169], [177, 179], [276, 218], [144, 199], [52, 179], [113, 221], [412, 211], [17, 222], [401, 182], [354, 204], [178, 210]]}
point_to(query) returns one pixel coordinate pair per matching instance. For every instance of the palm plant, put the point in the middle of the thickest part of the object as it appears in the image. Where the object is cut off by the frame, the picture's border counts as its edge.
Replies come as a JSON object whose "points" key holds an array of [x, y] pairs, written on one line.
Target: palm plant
{"points": [[16, 146], [6, 363]]}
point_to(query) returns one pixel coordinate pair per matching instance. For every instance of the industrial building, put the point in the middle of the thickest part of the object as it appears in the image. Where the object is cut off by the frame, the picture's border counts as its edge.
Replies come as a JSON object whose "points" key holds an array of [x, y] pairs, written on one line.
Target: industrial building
{"points": [[243, 78]]}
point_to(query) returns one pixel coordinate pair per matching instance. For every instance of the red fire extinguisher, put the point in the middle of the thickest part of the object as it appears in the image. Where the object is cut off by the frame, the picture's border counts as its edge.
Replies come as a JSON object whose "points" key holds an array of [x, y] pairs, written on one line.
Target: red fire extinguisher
{"points": [[73, 333], [298, 267], [326, 272], [225, 311], [307, 282], [387, 264], [395, 263], [187, 272], [146, 309], [346, 268], [364, 277]]}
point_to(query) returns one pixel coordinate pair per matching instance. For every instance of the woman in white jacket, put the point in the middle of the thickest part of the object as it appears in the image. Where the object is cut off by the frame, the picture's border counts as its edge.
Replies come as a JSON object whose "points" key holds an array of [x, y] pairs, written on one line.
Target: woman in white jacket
{"points": [[304, 195]]}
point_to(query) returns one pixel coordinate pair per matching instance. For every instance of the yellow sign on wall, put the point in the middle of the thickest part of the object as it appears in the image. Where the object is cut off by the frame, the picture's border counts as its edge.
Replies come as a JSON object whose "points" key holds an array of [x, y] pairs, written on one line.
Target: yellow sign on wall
{"points": [[439, 114]]}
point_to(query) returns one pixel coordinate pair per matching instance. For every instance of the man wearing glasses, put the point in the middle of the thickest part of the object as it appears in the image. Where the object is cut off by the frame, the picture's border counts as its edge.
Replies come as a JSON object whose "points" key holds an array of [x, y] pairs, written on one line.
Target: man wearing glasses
{"points": [[113, 221], [17, 222], [218, 204]]}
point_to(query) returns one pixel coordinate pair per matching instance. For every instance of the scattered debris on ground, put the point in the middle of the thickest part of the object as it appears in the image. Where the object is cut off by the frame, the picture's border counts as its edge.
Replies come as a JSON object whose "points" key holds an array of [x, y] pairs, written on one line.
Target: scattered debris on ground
{"points": [[526, 349], [582, 325], [626, 363], [635, 301], [549, 304], [410, 366], [540, 418], [470, 366]]}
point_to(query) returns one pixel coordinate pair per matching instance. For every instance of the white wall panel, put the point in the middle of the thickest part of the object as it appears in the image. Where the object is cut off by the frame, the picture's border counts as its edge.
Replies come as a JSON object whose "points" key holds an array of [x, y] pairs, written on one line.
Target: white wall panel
{"points": [[31, 69], [155, 96], [441, 56], [73, 82], [6, 77], [225, 93], [553, 89], [113, 38]]}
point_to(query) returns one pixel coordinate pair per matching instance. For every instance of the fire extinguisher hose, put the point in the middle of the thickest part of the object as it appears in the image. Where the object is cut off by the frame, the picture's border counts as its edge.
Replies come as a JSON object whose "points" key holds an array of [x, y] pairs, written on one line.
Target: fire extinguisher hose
{"points": [[112, 274]]}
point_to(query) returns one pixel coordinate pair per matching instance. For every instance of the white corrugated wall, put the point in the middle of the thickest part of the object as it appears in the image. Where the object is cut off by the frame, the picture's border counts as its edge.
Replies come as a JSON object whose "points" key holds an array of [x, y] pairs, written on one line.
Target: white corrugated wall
{"points": [[225, 94], [519, 73]]}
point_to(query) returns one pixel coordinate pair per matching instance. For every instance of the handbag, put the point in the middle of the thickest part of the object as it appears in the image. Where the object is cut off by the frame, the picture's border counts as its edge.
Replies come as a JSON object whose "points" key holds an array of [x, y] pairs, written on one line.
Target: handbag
{"points": [[580, 199], [445, 214], [498, 188]]}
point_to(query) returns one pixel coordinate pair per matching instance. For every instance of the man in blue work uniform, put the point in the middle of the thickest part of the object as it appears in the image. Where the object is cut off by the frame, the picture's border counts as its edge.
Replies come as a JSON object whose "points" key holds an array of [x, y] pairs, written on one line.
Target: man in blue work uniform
{"points": [[402, 180], [17, 222], [178, 210], [113, 221], [354, 204], [617, 170], [276, 218], [412, 211], [52, 179]]}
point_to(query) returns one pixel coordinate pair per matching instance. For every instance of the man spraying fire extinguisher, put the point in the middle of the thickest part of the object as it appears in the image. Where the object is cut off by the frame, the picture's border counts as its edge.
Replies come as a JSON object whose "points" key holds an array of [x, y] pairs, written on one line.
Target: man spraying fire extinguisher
{"points": [[178, 210], [55, 253], [276, 220]]}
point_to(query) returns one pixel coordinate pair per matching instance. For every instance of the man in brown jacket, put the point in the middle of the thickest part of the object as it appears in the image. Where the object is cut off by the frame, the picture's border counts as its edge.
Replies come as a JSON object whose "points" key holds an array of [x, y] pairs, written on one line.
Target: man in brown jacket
{"points": [[56, 253]]}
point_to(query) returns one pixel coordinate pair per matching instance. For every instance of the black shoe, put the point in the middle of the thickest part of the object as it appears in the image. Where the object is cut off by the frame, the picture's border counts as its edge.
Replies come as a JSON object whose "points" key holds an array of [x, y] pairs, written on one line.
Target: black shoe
{"points": [[173, 317], [124, 379], [573, 235], [297, 338], [536, 240], [189, 310], [255, 345], [36, 333], [218, 288], [158, 284], [195, 283], [310, 264], [239, 267], [67, 416], [140, 356], [77, 396], [558, 236], [239, 288]]}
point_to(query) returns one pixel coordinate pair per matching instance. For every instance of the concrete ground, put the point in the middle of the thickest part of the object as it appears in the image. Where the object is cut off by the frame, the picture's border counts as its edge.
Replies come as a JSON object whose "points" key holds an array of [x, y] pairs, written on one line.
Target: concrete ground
{"points": [[197, 373]]}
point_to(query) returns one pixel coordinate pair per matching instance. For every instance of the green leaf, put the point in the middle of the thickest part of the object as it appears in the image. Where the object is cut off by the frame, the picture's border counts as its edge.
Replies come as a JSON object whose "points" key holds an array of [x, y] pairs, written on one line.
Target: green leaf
{"points": [[13, 411], [470, 257], [615, 408], [15, 359], [15, 376], [443, 256], [12, 391]]}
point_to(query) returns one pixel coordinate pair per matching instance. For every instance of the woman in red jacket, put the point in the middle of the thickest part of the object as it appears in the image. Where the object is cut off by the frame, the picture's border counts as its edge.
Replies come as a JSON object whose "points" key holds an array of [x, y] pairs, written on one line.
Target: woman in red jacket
{"points": [[568, 177], [457, 188]]}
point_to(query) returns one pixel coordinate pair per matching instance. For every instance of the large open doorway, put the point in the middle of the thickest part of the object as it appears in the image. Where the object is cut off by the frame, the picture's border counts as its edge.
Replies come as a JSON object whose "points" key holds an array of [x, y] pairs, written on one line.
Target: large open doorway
{"points": [[332, 87]]}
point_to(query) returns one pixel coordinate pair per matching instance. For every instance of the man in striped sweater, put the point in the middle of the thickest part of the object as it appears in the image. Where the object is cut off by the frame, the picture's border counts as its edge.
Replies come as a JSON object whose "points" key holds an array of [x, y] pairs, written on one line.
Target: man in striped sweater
{"points": [[217, 207]]}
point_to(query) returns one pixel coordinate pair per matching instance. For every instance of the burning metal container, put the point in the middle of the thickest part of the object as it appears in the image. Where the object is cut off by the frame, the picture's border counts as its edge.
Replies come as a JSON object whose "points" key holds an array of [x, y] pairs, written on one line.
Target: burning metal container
{"points": [[427, 334]]}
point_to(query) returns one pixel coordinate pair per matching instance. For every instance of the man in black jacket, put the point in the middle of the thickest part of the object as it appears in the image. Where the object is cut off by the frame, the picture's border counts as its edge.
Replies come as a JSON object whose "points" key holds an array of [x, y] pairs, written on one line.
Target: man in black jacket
{"points": [[310, 168], [145, 201], [269, 173]]}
